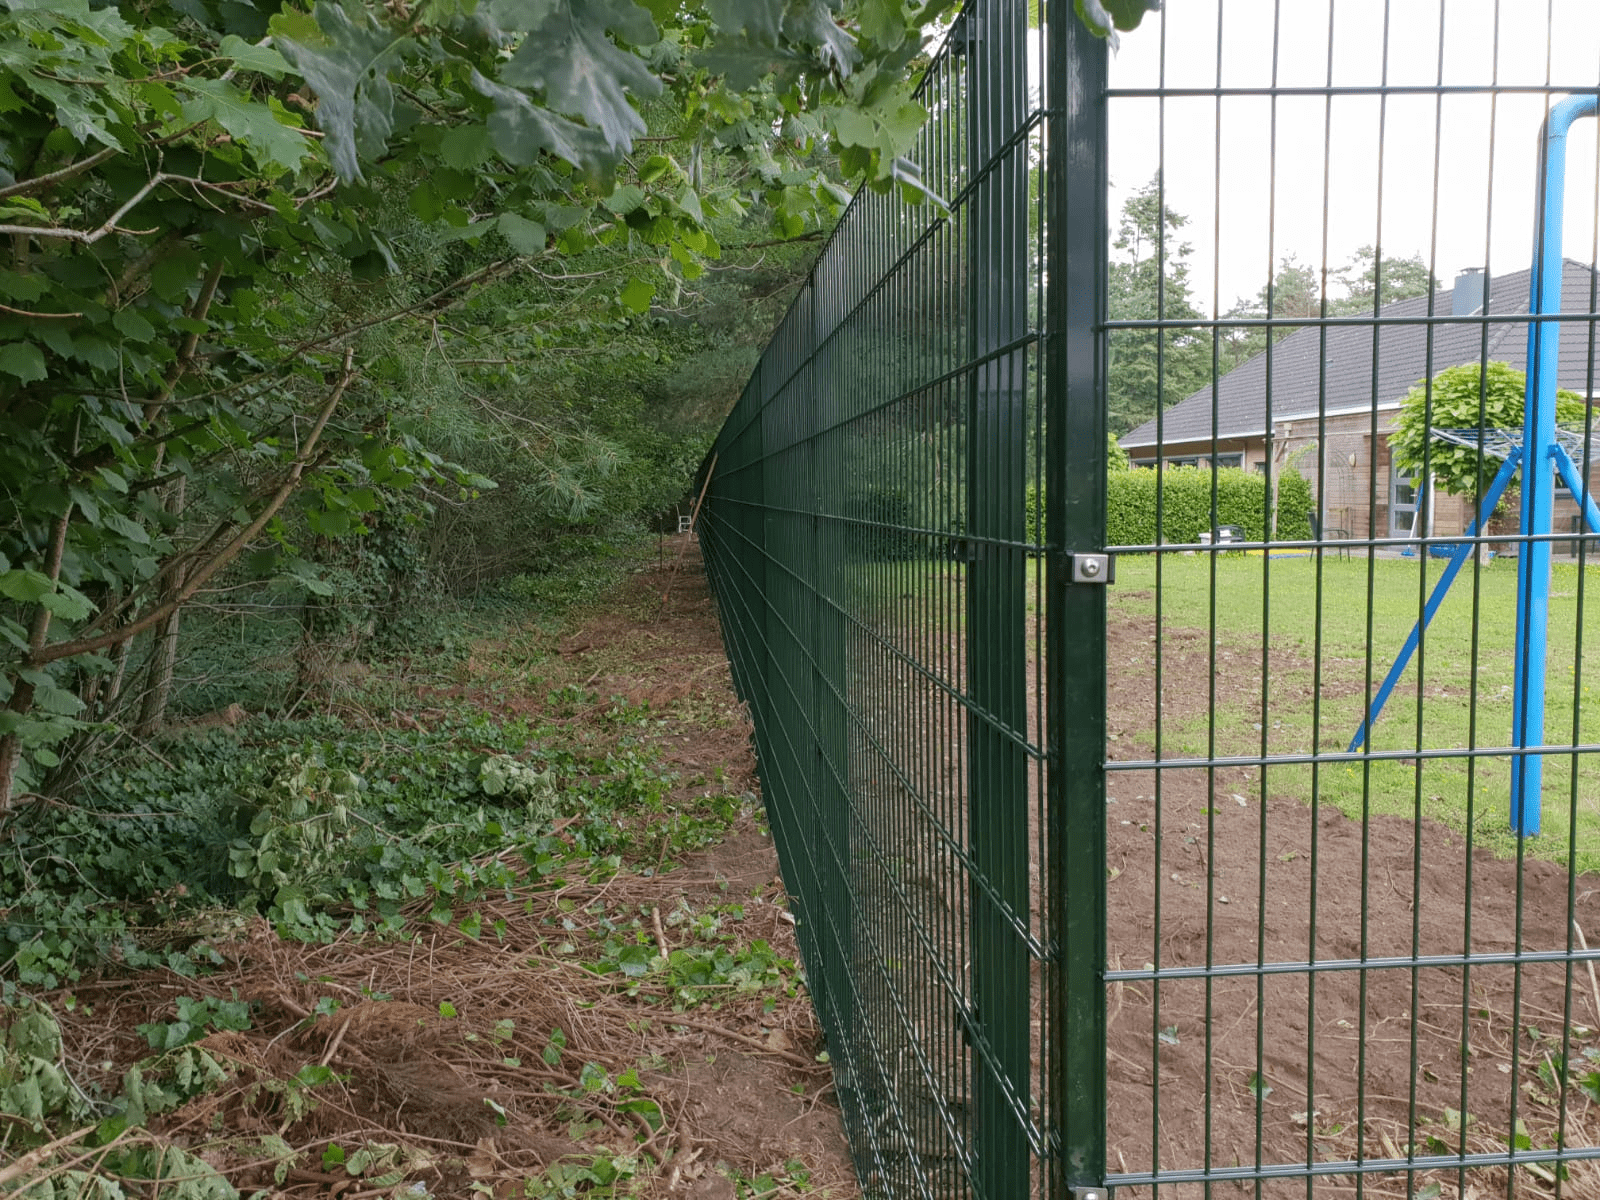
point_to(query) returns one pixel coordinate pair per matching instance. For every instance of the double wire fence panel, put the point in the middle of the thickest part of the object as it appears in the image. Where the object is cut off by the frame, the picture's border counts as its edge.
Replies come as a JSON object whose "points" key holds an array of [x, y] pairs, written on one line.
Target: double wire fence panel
{"points": [[1157, 575]]}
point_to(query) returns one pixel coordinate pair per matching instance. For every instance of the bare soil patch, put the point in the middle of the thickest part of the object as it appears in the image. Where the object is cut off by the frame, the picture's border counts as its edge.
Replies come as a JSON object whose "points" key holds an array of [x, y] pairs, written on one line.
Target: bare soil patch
{"points": [[1356, 1066], [445, 1047]]}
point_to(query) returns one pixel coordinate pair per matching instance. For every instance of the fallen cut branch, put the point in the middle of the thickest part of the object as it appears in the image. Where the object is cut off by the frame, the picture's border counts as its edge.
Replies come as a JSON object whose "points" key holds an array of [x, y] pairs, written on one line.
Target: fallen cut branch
{"points": [[37, 1157]]}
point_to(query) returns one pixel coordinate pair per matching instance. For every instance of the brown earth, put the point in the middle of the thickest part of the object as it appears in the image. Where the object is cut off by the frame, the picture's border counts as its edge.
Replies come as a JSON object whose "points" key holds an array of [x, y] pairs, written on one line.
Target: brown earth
{"points": [[1241, 881], [1235, 881], [470, 1104]]}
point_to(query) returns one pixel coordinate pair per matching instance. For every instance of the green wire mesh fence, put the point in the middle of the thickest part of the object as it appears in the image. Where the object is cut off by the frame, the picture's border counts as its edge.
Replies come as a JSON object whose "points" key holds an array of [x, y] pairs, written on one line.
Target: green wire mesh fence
{"points": [[872, 535], [1143, 870]]}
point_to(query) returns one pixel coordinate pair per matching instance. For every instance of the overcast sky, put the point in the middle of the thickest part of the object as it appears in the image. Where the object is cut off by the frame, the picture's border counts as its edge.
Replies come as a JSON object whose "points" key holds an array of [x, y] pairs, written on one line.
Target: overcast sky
{"points": [[1325, 157]]}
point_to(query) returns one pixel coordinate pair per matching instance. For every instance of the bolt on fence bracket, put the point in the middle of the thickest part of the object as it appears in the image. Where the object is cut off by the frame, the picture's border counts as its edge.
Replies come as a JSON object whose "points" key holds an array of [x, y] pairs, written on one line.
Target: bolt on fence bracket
{"points": [[1090, 1193], [1092, 568], [964, 550]]}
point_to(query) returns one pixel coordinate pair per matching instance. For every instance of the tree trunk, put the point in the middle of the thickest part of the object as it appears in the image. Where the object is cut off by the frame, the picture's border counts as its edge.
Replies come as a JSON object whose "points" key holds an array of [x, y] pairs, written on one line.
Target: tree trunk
{"points": [[118, 671], [21, 689], [164, 651]]}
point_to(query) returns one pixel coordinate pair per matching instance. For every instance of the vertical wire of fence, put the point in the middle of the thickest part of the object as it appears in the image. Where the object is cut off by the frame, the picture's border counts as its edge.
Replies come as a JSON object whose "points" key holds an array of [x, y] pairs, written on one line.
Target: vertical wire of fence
{"points": [[1271, 868], [875, 532], [1353, 789]]}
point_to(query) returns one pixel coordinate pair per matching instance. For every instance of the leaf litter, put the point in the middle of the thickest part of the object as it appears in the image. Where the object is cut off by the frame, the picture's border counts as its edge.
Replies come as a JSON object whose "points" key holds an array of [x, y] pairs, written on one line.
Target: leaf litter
{"points": [[643, 1033]]}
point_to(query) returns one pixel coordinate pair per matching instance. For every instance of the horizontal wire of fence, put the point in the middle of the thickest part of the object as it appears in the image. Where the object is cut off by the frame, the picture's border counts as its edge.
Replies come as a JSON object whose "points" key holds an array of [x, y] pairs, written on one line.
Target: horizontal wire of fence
{"points": [[1352, 762], [872, 529], [1260, 855]]}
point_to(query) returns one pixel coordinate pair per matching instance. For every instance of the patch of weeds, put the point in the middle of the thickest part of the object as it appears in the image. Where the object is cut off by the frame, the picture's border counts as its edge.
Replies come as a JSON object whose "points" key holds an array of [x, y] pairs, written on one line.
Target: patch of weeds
{"points": [[196, 1018], [687, 829], [321, 829], [602, 1177], [716, 962], [597, 1090], [376, 1164], [578, 571], [569, 700], [42, 1101], [792, 1176]]}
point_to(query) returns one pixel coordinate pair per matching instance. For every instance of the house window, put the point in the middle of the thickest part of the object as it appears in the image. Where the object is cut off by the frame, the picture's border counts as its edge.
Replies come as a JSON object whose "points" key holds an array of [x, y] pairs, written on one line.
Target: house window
{"points": [[1260, 467], [1402, 501], [1230, 460], [1183, 462], [1142, 462]]}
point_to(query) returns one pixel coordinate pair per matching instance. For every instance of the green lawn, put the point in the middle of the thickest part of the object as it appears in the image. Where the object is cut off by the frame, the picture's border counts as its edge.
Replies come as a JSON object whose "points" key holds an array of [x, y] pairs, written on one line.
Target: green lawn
{"points": [[1291, 601], [1333, 616]]}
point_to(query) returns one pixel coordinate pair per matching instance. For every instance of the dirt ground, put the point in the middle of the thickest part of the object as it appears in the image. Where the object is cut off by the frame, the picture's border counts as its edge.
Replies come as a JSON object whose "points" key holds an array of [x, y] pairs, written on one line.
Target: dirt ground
{"points": [[1298, 1065], [1217, 876], [440, 1046]]}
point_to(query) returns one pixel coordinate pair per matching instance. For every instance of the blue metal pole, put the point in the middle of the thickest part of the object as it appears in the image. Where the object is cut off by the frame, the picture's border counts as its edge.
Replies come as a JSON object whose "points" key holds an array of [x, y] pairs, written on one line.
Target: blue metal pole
{"points": [[1538, 489], [1457, 557]]}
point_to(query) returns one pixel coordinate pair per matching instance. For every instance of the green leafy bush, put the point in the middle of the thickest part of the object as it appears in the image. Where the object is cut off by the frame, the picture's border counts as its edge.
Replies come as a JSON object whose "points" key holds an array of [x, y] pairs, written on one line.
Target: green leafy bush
{"points": [[1455, 404], [1295, 504], [1186, 505], [41, 1101], [1185, 496], [320, 829], [1116, 456]]}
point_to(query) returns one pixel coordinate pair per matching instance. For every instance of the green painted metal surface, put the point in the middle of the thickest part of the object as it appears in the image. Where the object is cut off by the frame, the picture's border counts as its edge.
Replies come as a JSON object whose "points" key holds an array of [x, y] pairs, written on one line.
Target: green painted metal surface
{"points": [[1090, 892], [886, 603]]}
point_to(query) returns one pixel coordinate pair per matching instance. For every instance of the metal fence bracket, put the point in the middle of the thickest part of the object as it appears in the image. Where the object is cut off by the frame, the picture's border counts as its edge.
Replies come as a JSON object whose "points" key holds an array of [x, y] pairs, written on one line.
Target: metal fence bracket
{"points": [[1091, 1193], [1093, 568]]}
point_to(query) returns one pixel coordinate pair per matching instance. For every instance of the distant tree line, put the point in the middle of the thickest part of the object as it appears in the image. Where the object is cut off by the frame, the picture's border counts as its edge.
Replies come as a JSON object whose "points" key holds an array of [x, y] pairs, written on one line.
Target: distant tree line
{"points": [[1149, 279]]}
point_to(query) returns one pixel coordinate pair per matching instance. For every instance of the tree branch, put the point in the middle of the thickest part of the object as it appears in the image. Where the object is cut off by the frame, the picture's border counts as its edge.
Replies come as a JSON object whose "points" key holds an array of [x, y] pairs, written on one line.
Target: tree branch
{"points": [[185, 359], [39, 316], [43, 182], [222, 557], [466, 281], [22, 689], [88, 237], [91, 236]]}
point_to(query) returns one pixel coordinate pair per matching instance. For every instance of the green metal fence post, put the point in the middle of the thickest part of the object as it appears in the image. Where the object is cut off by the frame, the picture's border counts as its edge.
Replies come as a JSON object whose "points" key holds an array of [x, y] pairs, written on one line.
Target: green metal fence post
{"points": [[1076, 522], [830, 765], [997, 780]]}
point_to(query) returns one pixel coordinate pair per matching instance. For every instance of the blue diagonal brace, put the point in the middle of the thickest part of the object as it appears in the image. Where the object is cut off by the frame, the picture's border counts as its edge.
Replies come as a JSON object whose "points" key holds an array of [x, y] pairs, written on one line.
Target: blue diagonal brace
{"points": [[1568, 471], [1458, 557]]}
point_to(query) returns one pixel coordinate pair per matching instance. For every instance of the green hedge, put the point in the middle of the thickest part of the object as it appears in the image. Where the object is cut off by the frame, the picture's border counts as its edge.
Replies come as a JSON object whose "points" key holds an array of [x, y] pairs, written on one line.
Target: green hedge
{"points": [[1295, 504], [1186, 505]]}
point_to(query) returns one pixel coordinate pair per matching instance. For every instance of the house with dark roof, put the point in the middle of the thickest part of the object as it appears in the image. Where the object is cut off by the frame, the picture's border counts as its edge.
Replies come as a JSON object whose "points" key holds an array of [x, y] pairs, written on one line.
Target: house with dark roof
{"points": [[1329, 396]]}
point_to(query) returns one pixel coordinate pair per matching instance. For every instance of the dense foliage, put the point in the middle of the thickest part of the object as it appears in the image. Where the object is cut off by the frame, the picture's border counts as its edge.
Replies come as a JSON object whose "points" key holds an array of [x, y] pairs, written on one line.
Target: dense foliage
{"points": [[1296, 504], [1466, 397], [1185, 504], [274, 272], [325, 831], [1185, 497], [1148, 280]]}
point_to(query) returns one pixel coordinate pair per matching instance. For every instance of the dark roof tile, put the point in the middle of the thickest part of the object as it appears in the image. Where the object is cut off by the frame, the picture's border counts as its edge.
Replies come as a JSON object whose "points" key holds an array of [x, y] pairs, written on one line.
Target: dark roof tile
{"points": [[1356, 379]]}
